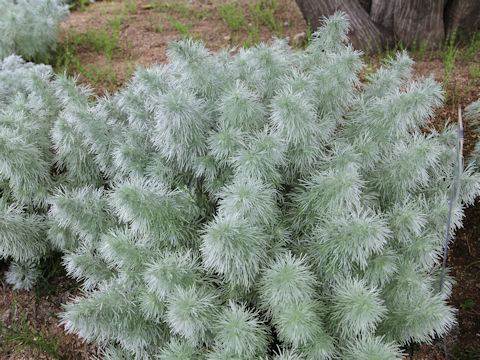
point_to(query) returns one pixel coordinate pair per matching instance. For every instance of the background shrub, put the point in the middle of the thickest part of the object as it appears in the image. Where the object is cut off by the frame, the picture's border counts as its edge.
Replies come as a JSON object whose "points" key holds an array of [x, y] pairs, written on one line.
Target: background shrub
{"points": [[29, 27], [27, 111]]}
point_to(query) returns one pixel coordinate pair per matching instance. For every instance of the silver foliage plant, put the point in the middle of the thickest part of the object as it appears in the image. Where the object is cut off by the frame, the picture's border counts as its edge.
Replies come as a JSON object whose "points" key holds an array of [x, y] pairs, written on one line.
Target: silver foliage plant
{"points": [[28, 110], [260, 205], [31, 170], [29, 27], [472, 112]]}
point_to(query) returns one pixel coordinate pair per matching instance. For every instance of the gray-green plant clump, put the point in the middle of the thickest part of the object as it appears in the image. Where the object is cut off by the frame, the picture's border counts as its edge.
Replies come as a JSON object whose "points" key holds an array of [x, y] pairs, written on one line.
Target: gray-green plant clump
{"points": [[472, 112], [28, 110], [34, 164], [29, 27], [260, 205]]}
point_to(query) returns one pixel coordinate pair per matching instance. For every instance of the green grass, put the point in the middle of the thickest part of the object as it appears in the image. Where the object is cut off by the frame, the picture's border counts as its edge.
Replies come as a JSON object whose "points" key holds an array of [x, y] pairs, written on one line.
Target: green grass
{"points": [[182, 28], [79, 4], [263, 12], [418, 49], [232, 14], [179, 7], [66, 59], [21, 334], [253, 37], [391, 51], [475, 72], [130, 6], [99, 41], [466, 354], [103, 40], [472, 47], [469, 303], [448, 53], [158, 27], [246, 26], [309, 34], [96, 76]]}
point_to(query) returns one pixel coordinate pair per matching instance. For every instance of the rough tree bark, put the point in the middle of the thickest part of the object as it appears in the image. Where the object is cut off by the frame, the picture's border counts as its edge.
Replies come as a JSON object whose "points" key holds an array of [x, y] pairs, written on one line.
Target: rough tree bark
{"points": [[463, 15], [382, 13], [375, 23], [419, 21], [364, 32]]}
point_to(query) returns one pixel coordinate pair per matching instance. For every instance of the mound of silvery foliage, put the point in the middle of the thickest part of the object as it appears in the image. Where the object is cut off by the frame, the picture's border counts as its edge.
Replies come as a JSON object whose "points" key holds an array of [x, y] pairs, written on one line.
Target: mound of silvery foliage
{"points": [[28, 28], [473, 113], [261, 205]]}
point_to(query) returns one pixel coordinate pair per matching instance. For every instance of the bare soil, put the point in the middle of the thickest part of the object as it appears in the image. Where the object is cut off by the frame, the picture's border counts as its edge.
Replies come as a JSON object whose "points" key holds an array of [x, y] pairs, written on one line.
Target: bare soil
{"points": [[30, 322], [141, 44]]}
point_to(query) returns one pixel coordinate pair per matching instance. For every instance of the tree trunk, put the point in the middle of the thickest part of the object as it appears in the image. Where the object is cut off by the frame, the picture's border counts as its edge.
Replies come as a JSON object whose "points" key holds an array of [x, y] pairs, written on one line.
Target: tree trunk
{"points": [[419, 21], [364, 33], [381, 13], [366, 4], [375, 23], [462, 15]]}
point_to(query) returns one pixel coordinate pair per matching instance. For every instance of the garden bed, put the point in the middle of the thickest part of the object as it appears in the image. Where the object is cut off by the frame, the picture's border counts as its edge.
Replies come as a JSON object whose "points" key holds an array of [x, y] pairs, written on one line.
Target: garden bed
{"points": [[105, 41]]}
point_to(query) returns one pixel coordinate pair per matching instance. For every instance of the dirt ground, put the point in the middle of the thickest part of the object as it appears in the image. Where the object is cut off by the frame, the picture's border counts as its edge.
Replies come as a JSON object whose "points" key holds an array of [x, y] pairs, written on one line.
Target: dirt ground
{"points": [[141, 43]]}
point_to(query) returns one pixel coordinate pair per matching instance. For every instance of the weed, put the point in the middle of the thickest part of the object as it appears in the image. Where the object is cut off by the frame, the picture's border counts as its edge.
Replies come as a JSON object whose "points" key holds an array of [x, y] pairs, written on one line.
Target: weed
{"points": [[448, 53], [65, 58], [475, 72], [79, 4], [176, 6], [466, 354], [467, 89], [471, 52], [188, 10], [130, 69], [366, 54], [414, 46], [469, 266], [69, 63], [253, 36], [105, 76], [22, 334], [131, 6], [422, 49], [116, 21], [233, 14], [418, 48], [103, 40], [309, 34], [52, 270], [264, 12], [182, 28], [388, 52], [452, 96], [159, 26], [469, 303]]}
